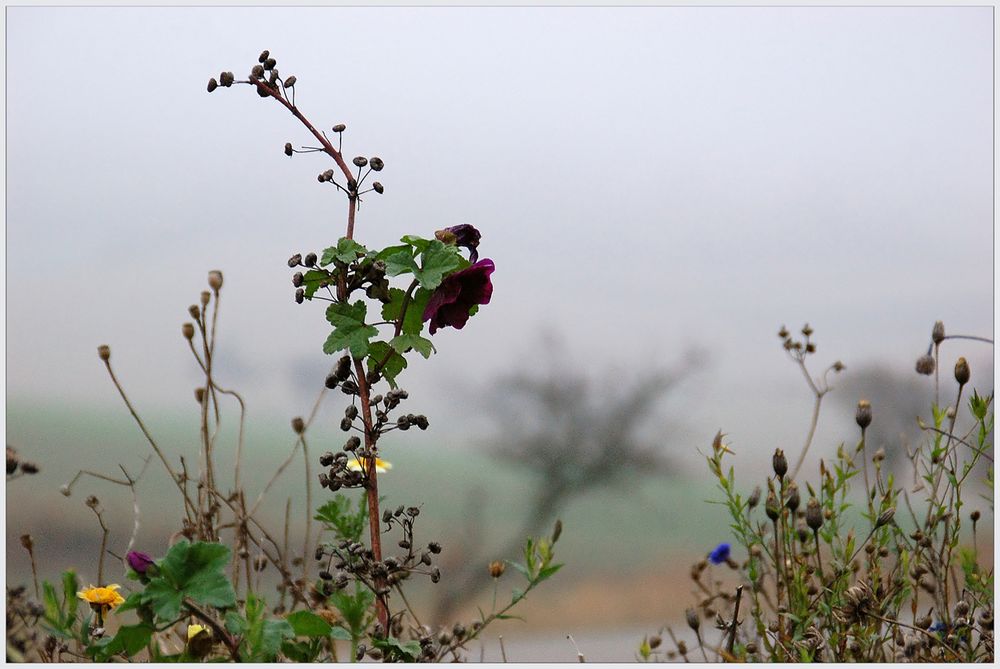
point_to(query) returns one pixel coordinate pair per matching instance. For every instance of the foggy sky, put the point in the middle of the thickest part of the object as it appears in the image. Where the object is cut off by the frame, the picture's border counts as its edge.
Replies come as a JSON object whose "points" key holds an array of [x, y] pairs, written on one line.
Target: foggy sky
{"points": [[646, 181]]}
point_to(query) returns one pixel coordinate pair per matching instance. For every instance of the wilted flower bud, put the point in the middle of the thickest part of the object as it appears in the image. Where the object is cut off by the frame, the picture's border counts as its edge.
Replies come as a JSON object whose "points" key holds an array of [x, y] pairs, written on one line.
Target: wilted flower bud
{"points": [[378, 188], [925, 365], [754, 498], [793, 497], [298, 425], [104, 352], [360, 161], [376, 164], [557, 530], [212, 84], [340, 127], [937, 332], [885, 517], [693, 621], [290, 81], [814, 514], [779, 462], [962, 372], [863, 415]]}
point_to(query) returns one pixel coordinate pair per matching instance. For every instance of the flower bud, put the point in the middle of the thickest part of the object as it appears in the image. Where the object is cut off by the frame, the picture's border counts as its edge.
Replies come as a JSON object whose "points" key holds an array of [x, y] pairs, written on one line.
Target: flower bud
{"points": [[693, 621], [925, 365], [937, 332], [962, 372], [814, 514], [340, 127], [139, 562], [779, 463], [863, 415], [298, 425], [212, 84], [104, 352], [885, 517], [290, 81]]}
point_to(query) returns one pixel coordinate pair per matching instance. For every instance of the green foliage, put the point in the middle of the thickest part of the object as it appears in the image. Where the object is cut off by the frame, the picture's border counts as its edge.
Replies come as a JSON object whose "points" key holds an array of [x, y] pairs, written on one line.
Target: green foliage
{"points": [[350, 331], [413, 320], [195, 571], [59, 615], [261, 637], [394, 362], [130, 639], [346, 251], [343, 520]]}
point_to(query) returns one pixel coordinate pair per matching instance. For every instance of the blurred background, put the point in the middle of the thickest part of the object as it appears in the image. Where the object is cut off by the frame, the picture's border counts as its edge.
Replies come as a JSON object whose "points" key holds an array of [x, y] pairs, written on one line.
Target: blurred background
{"points": [[661, 189]]}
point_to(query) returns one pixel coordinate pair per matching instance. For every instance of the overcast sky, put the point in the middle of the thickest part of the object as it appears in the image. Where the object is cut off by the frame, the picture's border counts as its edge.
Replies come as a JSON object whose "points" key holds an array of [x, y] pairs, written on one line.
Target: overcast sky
{"points": [[646, 180]]}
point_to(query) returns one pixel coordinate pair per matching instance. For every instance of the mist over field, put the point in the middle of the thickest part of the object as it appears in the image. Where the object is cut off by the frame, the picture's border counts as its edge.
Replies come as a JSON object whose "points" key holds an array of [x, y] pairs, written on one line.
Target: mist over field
{"points": [[660, 189]]}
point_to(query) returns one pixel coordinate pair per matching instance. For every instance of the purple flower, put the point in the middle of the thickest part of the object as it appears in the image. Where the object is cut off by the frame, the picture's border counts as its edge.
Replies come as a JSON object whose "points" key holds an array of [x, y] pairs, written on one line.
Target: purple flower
{"points": [[464, 235], [720, 554], [139, 561], [459, 292]]}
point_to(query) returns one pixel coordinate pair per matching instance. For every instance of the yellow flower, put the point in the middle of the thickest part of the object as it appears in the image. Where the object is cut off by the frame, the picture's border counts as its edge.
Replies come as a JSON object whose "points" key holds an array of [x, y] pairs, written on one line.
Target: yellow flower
{"points": [[106, 596], [381, 466], [194, 630]]}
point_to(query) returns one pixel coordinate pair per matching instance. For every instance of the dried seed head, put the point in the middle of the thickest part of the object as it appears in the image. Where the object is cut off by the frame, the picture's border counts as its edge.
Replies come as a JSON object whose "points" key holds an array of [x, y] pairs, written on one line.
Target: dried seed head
{"points": [[863, 415], [226, 79], [298, 425], [300, 295], [212, 84], [771, 507], [290, 81], [310, 260], [693, 621], [199, 395], [962, 372], [885, 517], [215, 280], [257, 71], [814, 514], [974, 516], [288, 149], [810, 347], [655, 641], [497, 568], [270, 63], [378, 188], [793, 497], [360, 161], [260, 563], [806, 330], [27, 542], [205, 297], [297, 279], [340, 127], [376, 163], [754, 498], [195, 312], [264, 55], [783, 332], [779, 462], [104, 352], [295, 260], [92, 502], [65, 491], [937, 332]]}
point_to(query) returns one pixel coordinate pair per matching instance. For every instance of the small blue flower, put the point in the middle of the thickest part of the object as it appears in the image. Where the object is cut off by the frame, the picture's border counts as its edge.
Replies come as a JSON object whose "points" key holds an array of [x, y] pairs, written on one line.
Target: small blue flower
{"points": [[720, 554], [938, 627]]}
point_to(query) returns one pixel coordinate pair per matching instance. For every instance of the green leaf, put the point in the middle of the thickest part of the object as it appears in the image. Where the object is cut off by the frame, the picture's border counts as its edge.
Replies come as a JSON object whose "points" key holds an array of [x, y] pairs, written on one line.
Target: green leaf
{"points": [[190, 570], [307, 623], [130, 639], [340, 634], [235, 623], [353, 607], [393, 250], [345, 523], [437, 260], [413, 320], [400, 262], [419, 243], [346, 251], [50, 602], [315, 279], [133, 601], [548, 571], [405, 342], [516, 595], [395, 363], [70, 587], [298, 651], [350, 330]]}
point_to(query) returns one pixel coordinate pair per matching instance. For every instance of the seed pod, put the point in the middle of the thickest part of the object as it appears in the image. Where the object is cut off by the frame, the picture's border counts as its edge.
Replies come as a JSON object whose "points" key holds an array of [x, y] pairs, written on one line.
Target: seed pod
{"points": [[310, 260], [754, 498], [779, 463], [288, 149], [297, 279], [434, 547], [300, 295], [974, 516], [360, 161], [793, 497], [205, 297], [351, 411], [378, 188], [298, 425], [352, 444], [264, 55], [340, 127], [863, 415], [937, 332], [814, 514], [212, 84], [104, 352], [295, 260], [290, 81], [226, 79], [771, 507], [925, 365], [270, 63], [257, 71], [435, 575], [806, 330], [199, 395], [376, 164], [962, 372]]}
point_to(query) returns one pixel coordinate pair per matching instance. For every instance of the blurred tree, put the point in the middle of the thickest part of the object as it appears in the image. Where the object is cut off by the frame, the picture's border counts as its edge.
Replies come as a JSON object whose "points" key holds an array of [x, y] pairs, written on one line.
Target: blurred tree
{"points": [[575, 434]]}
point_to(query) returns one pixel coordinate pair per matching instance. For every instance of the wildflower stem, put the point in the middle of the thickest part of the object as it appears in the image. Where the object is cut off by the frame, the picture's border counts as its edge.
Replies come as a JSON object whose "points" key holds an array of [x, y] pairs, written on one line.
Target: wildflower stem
{"points": [[736, 619], [308, 540]]}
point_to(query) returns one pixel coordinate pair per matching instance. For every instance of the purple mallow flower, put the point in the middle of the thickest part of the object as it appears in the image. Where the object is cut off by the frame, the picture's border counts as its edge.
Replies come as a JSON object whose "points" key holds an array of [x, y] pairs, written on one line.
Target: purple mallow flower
{"points": [[465, 236], [720, 554], [459, 292], [139, 561]]}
